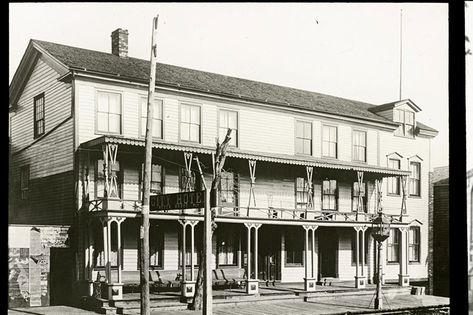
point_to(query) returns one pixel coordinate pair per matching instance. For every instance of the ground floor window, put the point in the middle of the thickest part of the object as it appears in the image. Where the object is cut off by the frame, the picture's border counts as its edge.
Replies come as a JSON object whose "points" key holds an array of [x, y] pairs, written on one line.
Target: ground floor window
{"points": [[294, 247], [414, 244], [227, 247], [393, 246]]}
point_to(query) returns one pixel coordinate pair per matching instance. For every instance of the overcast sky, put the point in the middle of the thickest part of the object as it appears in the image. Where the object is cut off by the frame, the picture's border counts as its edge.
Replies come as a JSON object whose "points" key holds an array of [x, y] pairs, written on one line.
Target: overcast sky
{"points": [[346, 50]]}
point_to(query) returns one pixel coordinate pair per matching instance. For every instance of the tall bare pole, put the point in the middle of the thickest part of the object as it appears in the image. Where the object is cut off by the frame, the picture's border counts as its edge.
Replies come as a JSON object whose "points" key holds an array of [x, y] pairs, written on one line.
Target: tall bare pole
{"points": [[400, 59], [144, 230]]}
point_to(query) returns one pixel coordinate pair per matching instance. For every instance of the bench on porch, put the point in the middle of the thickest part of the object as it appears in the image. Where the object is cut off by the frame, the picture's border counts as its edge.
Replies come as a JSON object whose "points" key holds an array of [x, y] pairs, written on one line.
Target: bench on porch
{"points": [[233, 276]]}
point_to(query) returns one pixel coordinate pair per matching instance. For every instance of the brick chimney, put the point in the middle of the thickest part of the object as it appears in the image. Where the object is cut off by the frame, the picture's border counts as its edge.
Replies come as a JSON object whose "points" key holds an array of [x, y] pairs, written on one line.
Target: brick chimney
{"points": [[120, 43]]}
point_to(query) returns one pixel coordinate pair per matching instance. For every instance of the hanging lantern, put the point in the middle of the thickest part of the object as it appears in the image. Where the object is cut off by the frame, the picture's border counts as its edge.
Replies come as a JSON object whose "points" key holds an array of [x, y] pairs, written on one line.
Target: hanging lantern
{"points": [[381, 227]]}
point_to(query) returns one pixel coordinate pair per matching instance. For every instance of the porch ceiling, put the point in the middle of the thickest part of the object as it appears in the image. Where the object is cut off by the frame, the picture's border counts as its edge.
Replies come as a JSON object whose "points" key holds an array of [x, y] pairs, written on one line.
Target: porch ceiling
{"points": [[250, 155]]}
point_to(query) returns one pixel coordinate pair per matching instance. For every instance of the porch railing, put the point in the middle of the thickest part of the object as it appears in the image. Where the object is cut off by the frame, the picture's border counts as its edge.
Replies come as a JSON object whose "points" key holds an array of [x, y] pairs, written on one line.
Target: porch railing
{"points": [[248, 212]]}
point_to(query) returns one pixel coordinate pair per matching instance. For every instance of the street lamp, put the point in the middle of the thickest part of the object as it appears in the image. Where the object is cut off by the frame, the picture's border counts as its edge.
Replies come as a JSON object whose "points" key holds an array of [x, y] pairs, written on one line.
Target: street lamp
{"points": [[381, 227]]}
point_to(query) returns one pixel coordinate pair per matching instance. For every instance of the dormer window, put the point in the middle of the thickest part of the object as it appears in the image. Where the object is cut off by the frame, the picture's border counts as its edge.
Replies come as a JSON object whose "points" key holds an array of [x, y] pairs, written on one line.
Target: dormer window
{"points": [[406, 119]]}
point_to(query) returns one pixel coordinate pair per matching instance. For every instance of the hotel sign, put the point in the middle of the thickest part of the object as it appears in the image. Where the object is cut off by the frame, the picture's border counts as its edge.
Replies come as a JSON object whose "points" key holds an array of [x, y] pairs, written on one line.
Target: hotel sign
{"points": [[184, 200]]}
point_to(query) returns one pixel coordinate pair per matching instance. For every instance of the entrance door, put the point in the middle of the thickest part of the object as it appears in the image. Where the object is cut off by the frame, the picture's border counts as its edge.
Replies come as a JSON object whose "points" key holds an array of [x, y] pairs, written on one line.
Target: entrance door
{"points": [[60, 275], [328, 247], [269, 247]]}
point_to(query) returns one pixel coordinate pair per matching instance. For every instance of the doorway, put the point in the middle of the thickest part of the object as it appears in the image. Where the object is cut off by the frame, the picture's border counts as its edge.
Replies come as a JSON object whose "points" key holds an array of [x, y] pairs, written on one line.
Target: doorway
{"points": [[328, 249], [269, 254], [61, 276]]}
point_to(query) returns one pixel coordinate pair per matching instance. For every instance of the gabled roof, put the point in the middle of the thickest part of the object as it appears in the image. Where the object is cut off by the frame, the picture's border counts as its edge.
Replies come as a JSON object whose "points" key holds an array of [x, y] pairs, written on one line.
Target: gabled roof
{"points": [[391, 105], [137, 70]]}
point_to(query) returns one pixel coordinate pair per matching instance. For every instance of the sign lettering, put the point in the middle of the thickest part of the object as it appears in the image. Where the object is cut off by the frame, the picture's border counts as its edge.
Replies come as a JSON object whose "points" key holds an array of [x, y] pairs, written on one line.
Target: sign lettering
{"points": [[184, 200]]}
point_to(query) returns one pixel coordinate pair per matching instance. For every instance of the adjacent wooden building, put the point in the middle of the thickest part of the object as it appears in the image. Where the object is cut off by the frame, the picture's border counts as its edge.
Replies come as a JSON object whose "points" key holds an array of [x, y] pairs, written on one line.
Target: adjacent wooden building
{"points": [[304, 176]]}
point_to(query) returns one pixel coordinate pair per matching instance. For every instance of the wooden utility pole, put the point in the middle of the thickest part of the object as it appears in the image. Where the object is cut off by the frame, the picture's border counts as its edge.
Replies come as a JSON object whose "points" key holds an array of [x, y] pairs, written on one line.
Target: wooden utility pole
{"points": [[144, 229]]}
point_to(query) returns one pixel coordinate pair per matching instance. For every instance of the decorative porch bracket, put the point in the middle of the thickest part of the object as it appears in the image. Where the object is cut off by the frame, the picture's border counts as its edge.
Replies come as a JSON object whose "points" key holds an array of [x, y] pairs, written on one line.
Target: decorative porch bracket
{"points": [[310, 199], [110, 169], [359, 208], [188, 164], [379, 194], [252, 166], [404, 195]]}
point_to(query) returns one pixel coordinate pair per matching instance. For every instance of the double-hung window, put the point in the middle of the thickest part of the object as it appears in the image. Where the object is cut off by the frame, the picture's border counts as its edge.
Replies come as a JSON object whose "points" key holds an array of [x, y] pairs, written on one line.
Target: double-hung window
{"points": [[393, 246], [414, 244], [394, 183], [329, 141], [303, 137], [157, 117], [24, 182], [227, 247], [156, 184], [190, 123], [228, 120], [39, 115], [302, 196], [228, 189], [329, 194], [406, 119], [414, 179], [359, 146], [109, 112]]}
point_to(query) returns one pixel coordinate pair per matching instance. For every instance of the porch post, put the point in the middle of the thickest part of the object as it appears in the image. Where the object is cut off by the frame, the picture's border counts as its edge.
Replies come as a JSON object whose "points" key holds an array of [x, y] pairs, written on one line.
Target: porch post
{"points": [[115, 290], [314, 254], [89, 229], [404, 196], [403, 260], [187, 286], [184, 260], [310, 199], [192, 250], [119, 248], [360, 280], [309, 282], [252, 284]]}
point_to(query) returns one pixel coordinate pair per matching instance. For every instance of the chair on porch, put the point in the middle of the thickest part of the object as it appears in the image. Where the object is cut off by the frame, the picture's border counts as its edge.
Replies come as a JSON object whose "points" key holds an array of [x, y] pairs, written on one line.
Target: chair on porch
{"points": [[234, 276]]}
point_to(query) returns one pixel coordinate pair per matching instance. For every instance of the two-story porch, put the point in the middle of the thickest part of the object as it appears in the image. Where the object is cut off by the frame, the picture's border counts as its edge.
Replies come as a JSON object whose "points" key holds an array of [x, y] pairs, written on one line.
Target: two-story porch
{"points": [[279, 218]]}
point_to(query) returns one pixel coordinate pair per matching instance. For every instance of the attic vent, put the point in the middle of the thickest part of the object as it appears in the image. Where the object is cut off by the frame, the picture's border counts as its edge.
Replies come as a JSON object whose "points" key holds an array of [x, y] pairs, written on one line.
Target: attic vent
{"points": [[120, 43]]}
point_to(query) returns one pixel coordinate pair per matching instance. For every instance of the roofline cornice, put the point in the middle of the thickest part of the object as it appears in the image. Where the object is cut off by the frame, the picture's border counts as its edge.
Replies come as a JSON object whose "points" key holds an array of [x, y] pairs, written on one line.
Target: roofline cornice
{"points": [[131, 81]]}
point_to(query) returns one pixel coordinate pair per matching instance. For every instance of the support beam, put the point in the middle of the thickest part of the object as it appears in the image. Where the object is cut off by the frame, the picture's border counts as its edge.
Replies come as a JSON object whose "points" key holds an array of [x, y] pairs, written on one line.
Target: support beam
{"points": [[252, 284], [115, 290], [404, 259], [359, 208], [188, 164], [360, 279], [404, 196], [309, 279], [310, 197], [187, 285], [252, 166]]}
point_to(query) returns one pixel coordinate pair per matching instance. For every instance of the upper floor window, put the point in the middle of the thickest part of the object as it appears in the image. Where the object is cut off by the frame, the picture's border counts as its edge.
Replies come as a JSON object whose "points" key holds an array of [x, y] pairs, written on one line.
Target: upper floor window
{"points": [[109, 112], [228, 189], [24, 182], [303, 137], [157, 117], [359, 145], [190, 123], [358, 190], [393, 246], [406, 120], [414, 244], [329, 141], [394, 184], [329, 194], [414, 179], [157, 179], [228, 120], [39, 115]]}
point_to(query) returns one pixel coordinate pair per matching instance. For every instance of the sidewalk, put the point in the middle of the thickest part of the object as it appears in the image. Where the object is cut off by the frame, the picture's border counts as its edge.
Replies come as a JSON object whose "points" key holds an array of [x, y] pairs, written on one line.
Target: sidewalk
{"points": [[329, 305]]}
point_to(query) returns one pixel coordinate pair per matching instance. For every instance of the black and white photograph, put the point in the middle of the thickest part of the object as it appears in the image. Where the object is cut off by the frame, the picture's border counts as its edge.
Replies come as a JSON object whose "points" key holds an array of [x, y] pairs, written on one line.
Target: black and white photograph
{"points": [[232, 158]]}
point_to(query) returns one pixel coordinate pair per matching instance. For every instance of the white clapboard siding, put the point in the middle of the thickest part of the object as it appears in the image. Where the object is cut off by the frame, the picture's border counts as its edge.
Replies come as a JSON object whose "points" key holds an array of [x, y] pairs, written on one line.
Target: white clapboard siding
{"points": [[171, 119], [372, 147], [209, 124], [345, 142], [57, 96], [171, 250]]}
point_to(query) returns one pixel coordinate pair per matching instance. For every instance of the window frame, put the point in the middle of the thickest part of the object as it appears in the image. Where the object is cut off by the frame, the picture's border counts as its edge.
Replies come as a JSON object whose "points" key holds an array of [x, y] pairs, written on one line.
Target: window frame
{"points": [[143, 116], [189, 104], [329, 142], [97, 130], [417, 181], [390, 244], [334, 194], [219, 125], [25, 190], [392, 179], [354, 131], [353, 196], [304, 122], [38, 97], [412, 245], [403, 124]]}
